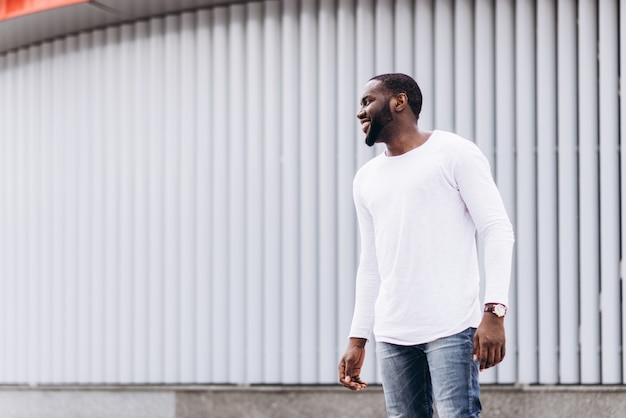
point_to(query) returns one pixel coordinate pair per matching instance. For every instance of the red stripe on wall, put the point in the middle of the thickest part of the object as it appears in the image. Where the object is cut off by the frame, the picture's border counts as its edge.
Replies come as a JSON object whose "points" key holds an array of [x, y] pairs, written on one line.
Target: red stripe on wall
{"points": [[13, 8]]}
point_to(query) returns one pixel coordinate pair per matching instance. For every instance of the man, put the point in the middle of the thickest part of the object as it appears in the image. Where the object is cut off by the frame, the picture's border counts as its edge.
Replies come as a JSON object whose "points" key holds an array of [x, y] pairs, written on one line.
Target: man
{"points": [[419, 205]]}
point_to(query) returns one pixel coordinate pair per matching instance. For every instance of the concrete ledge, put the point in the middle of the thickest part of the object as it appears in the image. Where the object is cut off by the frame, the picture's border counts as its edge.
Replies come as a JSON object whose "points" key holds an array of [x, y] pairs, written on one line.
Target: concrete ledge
{"points": [[553, 401], [289, 402], [79, 403]]}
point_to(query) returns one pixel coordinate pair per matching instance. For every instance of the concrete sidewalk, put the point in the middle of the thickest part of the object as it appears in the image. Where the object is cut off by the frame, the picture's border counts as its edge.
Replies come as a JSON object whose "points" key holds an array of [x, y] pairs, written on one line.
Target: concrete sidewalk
{"points": [[289, 402]]}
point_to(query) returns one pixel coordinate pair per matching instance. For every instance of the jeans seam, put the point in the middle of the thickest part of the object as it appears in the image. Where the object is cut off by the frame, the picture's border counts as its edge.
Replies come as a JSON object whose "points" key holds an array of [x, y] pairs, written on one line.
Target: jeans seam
{"points": [[426, 405], [472, 384]]}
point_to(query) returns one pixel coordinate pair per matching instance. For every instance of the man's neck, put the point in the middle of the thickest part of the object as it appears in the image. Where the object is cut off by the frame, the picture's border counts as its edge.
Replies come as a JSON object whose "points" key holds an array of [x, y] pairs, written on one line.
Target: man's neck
{"points": [[405, 143]]}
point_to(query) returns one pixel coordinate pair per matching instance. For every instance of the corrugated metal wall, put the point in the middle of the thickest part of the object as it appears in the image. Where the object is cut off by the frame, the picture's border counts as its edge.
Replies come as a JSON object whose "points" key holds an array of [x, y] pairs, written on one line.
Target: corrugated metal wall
{"points": [[175, 194]]}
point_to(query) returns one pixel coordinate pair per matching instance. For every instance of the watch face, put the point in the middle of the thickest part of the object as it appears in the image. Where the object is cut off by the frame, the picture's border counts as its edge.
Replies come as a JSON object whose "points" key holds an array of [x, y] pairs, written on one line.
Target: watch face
{"points": [[499, 310]]}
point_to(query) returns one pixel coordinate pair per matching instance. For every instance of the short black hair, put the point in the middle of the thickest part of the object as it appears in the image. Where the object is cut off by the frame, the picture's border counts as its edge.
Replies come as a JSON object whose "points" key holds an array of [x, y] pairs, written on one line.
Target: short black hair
{"points": [[396, 83]]}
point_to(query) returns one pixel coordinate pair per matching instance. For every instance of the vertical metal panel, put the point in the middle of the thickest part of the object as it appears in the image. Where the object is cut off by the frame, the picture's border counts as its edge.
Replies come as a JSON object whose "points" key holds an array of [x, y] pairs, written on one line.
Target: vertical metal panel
{"points": [[365, 69], [526, 225], [347, 99], [569, 365], [220, 275], [12, 162], [608, 111], [155, 212], [112, 181], [171, 199], [383, 44], [16, 217], [140, 206], [588, 192], [327, 189], [9, 317], [464, 52], [272, 224], [4, 207], [17, 166], [444, 65], [60, 206], [70, 214], [126, 248], [622, 136], [366, 64], [96, 313], [483, 99], [424, 59], [34, 224], [383, 32], [505, 164], [290, 187], [57, 207], [236, 194], [178, 190], [547, 268], [308, 193], [254, 277], [25, 215], [482, 102], [204, 237], [83, 153], [188, 177], [403, 36]]}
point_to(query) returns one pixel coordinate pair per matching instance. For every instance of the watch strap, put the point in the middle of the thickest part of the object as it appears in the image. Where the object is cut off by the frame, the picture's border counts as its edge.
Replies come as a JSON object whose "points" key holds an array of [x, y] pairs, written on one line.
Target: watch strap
{"points": [[497, 309]]}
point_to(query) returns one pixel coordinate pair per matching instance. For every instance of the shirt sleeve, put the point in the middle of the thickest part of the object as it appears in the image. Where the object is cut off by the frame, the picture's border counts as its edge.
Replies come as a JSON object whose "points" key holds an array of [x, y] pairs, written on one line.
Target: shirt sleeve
{"points": [[368, 277], [483, 201]]}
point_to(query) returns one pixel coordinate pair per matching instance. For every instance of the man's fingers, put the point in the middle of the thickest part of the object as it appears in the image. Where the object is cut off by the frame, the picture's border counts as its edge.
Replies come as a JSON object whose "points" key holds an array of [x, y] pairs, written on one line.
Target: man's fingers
{"points": [[354, 383], [348, 368], [499, 353], [476, 348], [497, 357], [483, 362], [345, 374], [490, 356], [481, 354], [490, 360], [346, 379], [342, 370]]}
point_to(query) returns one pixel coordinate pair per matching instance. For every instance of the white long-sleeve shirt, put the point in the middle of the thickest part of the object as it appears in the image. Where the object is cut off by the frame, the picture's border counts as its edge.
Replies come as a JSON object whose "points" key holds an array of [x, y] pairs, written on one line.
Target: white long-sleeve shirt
{"points": [[418, 278]]}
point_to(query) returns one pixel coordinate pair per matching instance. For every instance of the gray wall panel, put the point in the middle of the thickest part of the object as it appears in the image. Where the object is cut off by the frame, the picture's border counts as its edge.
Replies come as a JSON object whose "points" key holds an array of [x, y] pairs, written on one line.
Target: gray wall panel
{"points": [[567, 86], [610, 298], [526, 184], [588, 189], [547, 203], [175, 193]]}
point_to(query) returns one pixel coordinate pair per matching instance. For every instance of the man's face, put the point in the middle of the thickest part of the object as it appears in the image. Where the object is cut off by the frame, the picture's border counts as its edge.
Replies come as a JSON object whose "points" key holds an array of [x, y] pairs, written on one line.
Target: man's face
{"points": [[375, 114]]}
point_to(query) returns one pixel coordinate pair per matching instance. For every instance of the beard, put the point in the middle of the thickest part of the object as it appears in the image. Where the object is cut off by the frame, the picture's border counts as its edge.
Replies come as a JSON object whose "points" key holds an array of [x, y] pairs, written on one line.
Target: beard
{"points": [[378, 123]]}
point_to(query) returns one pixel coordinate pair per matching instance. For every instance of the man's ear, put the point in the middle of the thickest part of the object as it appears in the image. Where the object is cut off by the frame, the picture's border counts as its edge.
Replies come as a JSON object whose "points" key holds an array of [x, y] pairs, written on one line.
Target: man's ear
{"points": [[400, 102]]}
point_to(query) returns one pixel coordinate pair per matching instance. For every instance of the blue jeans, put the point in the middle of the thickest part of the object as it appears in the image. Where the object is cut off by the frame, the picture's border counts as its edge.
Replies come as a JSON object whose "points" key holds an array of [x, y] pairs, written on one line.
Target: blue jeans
{"points": [[442, 370]]}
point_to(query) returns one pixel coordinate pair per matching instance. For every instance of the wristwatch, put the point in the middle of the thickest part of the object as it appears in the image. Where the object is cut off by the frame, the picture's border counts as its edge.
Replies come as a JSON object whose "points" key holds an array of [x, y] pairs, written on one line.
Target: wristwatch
{"points": [[497, 309]]}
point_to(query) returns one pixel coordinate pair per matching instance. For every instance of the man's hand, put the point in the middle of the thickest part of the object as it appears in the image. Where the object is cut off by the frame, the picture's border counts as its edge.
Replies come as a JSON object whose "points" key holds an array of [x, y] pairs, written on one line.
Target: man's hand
{"points": [[350, 365], [489, 341]]}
